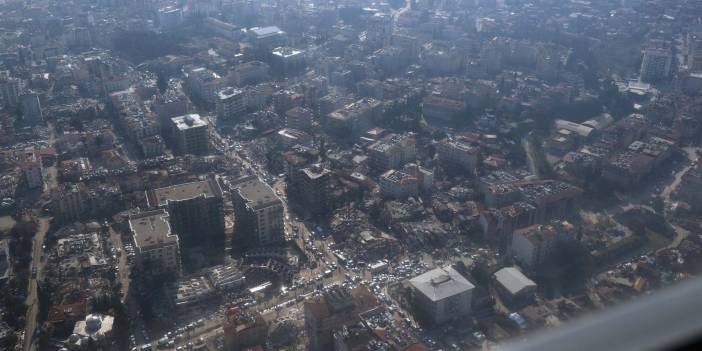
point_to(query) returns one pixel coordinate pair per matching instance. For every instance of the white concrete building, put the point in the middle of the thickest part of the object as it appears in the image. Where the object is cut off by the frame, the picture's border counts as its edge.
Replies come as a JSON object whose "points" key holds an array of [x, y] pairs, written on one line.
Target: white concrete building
{"points": [[443, 294], [231, 102], [158, 249]]}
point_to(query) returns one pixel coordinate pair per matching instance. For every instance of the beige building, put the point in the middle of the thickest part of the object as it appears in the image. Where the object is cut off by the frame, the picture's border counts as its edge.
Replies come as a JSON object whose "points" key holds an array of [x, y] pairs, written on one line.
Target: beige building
{"points": [[458, 153], [157, 248]]}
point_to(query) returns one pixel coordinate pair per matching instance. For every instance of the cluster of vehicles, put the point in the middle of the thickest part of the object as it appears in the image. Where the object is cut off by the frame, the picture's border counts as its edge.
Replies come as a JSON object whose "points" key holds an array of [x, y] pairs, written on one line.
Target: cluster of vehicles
{"points": [[173, 338]]}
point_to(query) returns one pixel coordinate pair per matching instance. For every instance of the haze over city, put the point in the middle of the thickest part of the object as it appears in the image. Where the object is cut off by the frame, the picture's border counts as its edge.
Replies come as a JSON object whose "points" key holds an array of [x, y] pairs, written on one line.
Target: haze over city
{"points": [[350, 175]]}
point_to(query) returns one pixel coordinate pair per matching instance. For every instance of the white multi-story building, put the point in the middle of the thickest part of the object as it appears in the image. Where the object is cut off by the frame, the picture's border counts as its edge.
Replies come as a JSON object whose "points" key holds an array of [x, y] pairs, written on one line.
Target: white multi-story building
{"points": [[392, 151], [458, 153], [231, 102], [533, 245], [203, 84], [190, 134], [158, 249], [398, 184], [443, 294]]}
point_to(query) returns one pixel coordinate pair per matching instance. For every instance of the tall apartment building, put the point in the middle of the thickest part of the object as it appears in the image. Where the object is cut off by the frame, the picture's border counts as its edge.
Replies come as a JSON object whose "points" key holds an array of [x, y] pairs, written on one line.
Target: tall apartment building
{"points": [[247, 73], [196, 211], [656, 64], [231, 102], [534, 245], [190, 134], [31, 108], [170, 17], [409, 181], [288, 61], [313, 189], [392, 152], [68, 202], [353, 119], [203, 83], [458, 153], [299, 118], [171, 103], [258, 212], [157, 247], [398, 184], [32, 169], [442, 294], [10, 89]]}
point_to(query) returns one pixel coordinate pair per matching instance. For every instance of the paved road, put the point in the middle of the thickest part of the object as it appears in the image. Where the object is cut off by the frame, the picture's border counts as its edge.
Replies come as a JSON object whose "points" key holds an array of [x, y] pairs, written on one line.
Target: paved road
{"points": [[50, 177], [680, 233], [32, 302], [692, 157], [123, 273]]}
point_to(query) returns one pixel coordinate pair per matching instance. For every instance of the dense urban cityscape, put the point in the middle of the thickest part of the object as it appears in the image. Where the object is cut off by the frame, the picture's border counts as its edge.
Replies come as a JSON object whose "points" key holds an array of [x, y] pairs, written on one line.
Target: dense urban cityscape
{"points": [[341, 175]]}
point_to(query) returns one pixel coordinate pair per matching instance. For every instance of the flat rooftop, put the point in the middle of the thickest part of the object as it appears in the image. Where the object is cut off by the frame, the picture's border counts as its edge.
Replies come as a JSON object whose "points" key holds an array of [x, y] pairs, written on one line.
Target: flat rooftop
{"points": [[264, 32], [441, 283], [256, 193], [186, 191], [152, 229], [192, 120]]}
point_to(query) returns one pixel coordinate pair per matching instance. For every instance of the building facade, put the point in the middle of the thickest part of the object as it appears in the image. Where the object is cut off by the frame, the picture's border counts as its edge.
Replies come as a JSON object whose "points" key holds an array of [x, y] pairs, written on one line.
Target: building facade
{"points": [[195, 209], [258, 212], [190, 134], [442, 294], [157, 247]]}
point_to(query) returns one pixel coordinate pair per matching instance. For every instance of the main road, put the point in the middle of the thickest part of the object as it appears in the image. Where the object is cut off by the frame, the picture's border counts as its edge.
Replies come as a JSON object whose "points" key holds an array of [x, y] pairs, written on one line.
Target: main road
{"points": [[32, 296], [37, 264]]}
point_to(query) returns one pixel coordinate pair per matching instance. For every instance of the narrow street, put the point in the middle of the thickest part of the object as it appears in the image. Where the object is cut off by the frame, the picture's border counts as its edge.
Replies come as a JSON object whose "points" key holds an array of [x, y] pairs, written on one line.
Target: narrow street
{"points": [[123, 268]]}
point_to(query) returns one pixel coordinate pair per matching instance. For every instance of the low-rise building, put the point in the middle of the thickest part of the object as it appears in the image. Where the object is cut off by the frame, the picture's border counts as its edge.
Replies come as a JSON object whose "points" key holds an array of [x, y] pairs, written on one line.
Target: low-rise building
{"points": [[243, 328], [98, 327], [514, 287], [442, 109], [335, 308]]}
